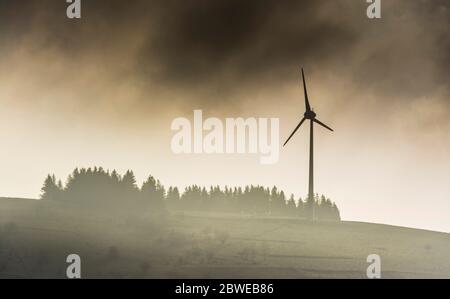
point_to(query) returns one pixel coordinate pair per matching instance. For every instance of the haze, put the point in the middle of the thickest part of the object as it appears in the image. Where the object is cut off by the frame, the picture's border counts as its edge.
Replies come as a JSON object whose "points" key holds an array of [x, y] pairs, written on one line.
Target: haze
{"points": [[103, 91]]}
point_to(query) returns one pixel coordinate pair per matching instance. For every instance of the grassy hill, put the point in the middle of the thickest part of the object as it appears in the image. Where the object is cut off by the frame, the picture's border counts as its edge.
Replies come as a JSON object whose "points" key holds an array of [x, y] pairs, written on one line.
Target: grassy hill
{"points": [[36, 237]]}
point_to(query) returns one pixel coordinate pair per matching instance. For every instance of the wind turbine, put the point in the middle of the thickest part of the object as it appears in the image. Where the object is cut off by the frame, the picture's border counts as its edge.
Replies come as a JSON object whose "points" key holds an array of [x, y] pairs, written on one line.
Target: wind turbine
{"points": [[311, 116]]}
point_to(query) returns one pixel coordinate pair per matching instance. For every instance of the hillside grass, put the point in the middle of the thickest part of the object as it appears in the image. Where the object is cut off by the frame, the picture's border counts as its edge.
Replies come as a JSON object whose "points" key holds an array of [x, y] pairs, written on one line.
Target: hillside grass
{"points": [[36, 237]]}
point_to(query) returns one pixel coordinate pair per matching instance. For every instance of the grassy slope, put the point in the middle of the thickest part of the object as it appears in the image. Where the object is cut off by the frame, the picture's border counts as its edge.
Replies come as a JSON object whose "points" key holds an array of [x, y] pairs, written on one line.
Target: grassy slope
{"points": [[188, 245]]}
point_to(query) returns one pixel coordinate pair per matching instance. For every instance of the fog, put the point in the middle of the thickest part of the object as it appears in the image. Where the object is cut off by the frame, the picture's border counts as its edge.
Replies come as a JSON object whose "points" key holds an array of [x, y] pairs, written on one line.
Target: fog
{"points": [[104, 90]]}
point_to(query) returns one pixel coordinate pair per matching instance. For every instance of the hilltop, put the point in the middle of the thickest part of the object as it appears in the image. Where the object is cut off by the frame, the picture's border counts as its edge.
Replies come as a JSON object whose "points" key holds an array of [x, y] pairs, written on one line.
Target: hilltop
{"points": [[36, 238]]}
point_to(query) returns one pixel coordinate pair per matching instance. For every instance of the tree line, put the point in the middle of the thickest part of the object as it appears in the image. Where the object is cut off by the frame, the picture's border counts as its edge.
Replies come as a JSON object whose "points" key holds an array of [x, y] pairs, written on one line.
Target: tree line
{"points": [[95, 186]]}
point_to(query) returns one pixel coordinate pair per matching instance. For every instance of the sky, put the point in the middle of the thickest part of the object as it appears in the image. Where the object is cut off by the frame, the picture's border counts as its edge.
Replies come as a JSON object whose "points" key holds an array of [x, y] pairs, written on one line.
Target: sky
{"points": [[103, 90]]}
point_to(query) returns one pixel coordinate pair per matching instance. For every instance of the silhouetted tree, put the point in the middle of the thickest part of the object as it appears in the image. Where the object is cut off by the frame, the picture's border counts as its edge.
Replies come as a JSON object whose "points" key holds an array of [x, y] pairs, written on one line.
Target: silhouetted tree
{"points": [[291, 206], [95, 186], [51, 190], [153, 192], [301, 211], [128, 182], [173, 195]]}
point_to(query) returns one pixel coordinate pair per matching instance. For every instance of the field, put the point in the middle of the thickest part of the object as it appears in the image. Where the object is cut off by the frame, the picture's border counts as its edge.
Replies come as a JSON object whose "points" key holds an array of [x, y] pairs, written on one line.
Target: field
{"points": [[35, 239]]}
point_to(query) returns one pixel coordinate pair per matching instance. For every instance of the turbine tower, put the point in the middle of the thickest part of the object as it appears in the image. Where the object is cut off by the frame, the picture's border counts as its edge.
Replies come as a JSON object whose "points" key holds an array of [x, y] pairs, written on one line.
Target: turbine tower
{"points": [[311, 116]]}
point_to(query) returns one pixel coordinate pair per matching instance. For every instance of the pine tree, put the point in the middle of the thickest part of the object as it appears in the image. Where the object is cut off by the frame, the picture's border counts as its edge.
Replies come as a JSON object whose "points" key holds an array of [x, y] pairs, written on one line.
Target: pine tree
{"points": [[153, 192], [51, 190], [301, 208], [173, 195], [98, 186], [281, 203], [149, 187], [291, 207], [128, 182]]}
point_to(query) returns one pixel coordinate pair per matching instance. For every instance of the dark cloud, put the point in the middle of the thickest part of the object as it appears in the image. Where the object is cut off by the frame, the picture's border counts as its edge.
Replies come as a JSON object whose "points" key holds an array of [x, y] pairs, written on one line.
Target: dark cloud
{"points": [[203, 40], [188, 42], [229, 45], [406, 53]]}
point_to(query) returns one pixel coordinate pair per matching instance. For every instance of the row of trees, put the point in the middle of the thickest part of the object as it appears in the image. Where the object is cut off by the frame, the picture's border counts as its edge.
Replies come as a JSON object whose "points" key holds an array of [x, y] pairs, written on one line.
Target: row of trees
{"points": [[95, 186]]}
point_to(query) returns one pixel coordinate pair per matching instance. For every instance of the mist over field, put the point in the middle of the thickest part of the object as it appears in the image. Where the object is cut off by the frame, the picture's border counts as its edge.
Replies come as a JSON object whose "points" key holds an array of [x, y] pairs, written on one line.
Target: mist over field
{"points": [[118, 229], [37, 237]]}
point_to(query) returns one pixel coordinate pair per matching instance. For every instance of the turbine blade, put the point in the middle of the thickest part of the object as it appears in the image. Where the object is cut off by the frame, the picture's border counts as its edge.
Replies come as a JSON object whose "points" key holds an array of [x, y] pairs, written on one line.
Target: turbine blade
{"points": [[298, 126], [308, 107], [323, 125]]}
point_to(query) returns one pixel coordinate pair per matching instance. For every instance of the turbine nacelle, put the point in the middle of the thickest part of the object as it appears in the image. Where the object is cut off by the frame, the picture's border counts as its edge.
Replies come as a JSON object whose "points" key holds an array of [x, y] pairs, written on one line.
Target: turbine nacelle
{"points": [[310, 115]]}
